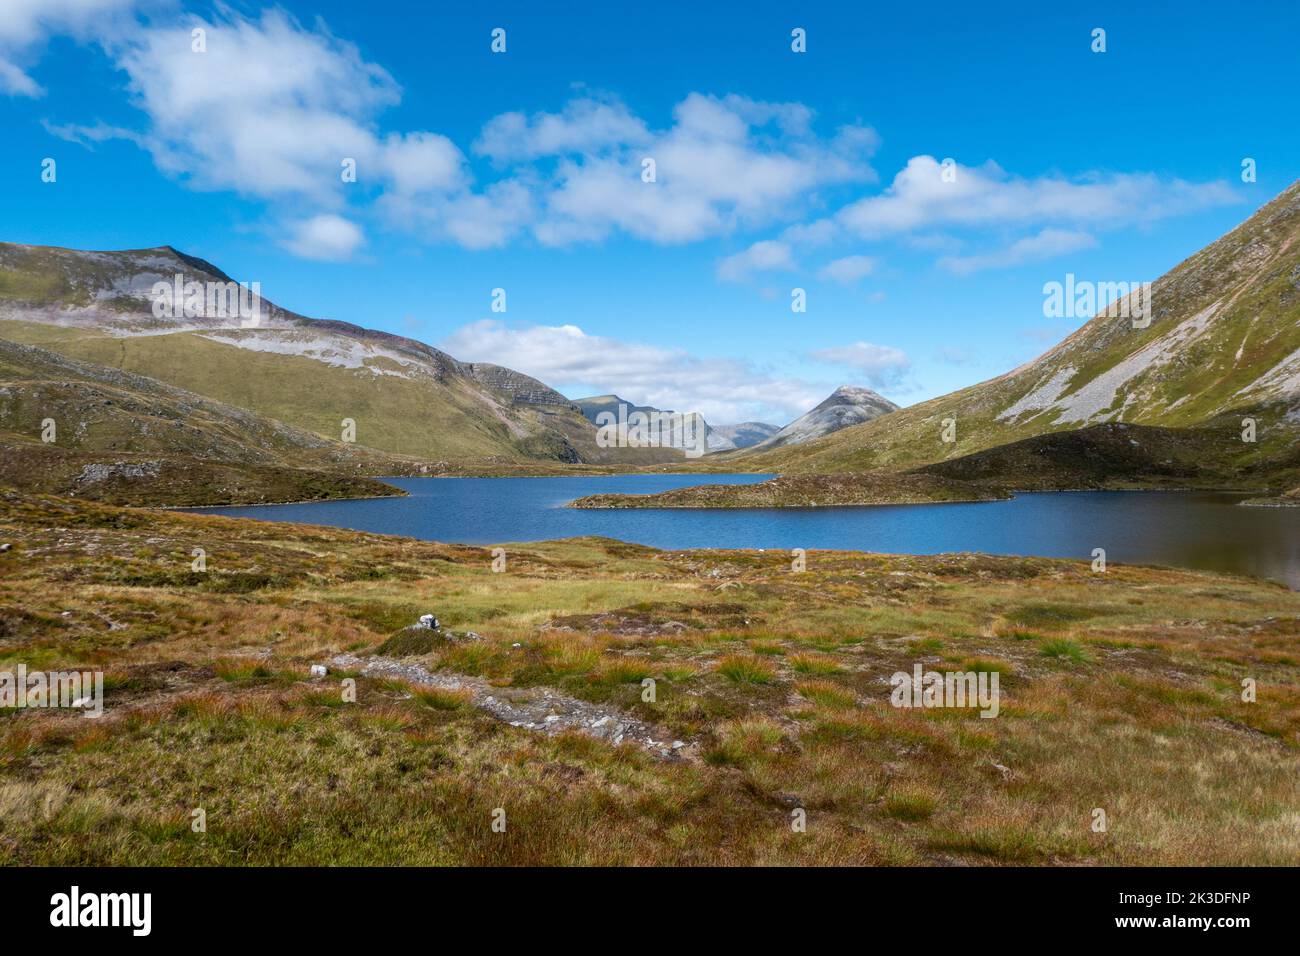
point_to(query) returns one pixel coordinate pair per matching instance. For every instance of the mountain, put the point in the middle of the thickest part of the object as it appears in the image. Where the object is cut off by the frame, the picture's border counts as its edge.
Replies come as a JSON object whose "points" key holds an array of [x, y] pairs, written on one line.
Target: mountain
{"points": [[1222, 345], [181, 320], [596, 405], [128, 439], [847, 405], [744, 435]]}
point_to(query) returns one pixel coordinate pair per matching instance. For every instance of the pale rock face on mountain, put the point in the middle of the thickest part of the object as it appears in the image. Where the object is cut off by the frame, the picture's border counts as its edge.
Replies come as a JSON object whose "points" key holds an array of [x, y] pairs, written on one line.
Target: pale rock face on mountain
{"points": [[524, 389], [1223, 335], [847, 405], [116, 294]]}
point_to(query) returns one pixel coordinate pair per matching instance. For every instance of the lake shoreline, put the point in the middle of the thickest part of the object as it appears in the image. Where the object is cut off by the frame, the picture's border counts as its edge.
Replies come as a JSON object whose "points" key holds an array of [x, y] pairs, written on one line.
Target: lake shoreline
{"points": [[1197, 529]]}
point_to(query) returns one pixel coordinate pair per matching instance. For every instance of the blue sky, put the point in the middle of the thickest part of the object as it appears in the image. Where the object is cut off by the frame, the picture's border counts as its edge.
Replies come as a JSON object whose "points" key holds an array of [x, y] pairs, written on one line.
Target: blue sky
{"points": [[774, 170]]}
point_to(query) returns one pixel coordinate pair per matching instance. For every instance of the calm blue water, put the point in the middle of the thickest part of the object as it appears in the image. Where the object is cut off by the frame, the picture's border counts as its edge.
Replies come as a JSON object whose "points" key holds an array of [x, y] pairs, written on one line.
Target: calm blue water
{"points": [[1186, 529]]}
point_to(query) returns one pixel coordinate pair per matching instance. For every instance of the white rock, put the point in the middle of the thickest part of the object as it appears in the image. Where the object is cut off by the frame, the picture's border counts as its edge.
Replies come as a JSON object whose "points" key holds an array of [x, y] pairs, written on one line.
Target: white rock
{"points": [[319, 670]]}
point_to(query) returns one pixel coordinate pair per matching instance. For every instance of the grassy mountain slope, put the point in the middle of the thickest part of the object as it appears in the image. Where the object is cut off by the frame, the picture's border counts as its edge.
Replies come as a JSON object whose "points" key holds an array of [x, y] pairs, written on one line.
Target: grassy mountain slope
{"points": [[1117, 455], [405, 397], [1223, 344], [126, 438]]}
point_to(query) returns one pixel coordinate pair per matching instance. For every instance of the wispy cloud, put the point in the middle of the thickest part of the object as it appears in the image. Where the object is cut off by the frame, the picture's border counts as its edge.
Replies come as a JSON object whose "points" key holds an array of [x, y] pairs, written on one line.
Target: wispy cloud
{"points": [[849, 269], [25, 25], [325, 237], [92, 134], [922, 197], [765, 256], [883, 365], [1046, 244], [284, 106]]}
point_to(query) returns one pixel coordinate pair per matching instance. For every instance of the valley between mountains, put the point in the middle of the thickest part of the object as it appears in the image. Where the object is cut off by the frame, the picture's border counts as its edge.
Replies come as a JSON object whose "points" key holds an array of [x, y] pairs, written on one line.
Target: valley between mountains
{"points": [[215, 412], [304, 684]]}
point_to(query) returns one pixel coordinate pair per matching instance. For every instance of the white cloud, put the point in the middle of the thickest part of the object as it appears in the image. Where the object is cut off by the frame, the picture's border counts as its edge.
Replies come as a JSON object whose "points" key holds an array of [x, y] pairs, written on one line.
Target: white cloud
{"points": [[325, 237], [725, 163], [26, 24], [567, 358], [766, 256], [849, 269], [271, 108], [922, 207], [91, 134], [584, 126], [15, 81], [484, 220], [422, 162], [282, 106], [919, 198], [884, 366], [1044, 244], [934, 242]]}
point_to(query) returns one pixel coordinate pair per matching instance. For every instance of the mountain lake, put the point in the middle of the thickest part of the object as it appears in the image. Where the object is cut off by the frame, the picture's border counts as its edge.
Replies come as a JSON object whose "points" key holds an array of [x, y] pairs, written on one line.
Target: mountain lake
{"points": [[1188, 529]]}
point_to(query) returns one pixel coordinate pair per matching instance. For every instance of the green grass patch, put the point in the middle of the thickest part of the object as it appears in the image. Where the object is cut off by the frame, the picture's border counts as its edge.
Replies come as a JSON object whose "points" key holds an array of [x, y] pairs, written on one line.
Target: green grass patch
{"points": [[1052, 615], [911, 804], [812, 664], [746, 670], [442, 698], [409, 642], [1064, 649], [827, 694]]}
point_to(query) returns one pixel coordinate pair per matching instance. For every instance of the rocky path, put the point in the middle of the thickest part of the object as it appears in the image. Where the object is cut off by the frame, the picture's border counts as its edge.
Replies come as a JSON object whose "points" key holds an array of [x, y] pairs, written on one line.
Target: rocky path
{"points": [[541, 709]]}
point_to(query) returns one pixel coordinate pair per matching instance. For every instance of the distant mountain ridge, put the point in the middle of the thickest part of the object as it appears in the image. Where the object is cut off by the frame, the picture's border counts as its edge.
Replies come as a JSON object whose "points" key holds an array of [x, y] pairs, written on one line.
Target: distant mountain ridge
{"points": [[595, 405], [745, 434]]}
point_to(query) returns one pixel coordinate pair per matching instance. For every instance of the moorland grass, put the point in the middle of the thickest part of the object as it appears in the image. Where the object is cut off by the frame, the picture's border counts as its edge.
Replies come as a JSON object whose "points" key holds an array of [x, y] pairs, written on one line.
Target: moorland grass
{"points": [[1121, 691]]}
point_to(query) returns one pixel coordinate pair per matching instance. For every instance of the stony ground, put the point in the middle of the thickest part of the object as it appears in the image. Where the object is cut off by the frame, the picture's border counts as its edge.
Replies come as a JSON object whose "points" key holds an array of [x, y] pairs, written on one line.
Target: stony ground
{"points": [[533, 708]]}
